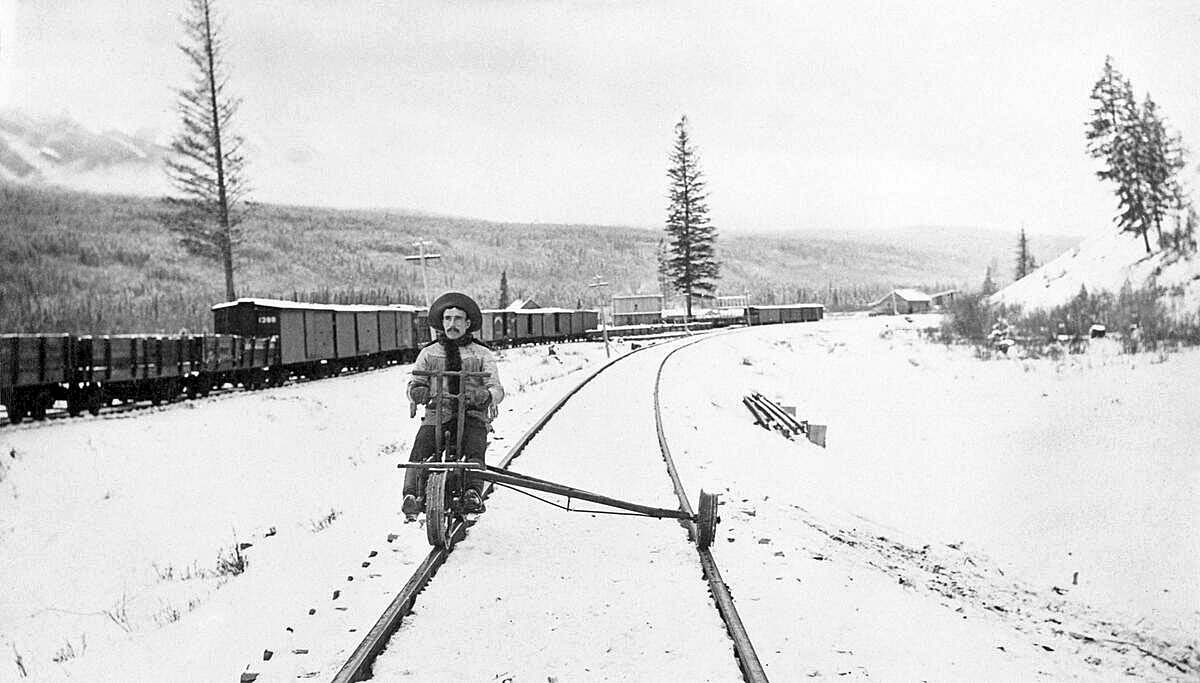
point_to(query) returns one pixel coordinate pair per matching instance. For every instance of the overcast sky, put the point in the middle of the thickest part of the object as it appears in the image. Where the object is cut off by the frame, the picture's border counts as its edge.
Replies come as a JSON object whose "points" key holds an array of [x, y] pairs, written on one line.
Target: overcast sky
{"points": [[807, 115]]}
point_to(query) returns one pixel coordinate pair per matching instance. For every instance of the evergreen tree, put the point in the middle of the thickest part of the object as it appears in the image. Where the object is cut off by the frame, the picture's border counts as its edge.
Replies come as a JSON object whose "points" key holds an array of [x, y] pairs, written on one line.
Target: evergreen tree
{"points": [[692, 266], [1113, 137], [504, 300], [1025, 263], [1140, 156], [1160, 159], [206, 166], [989, 285]]}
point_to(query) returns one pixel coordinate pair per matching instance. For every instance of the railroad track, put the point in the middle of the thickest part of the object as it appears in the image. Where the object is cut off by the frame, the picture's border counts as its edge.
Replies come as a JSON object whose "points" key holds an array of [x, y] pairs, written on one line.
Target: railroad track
{"points": [[127, 409], [358, 666]]}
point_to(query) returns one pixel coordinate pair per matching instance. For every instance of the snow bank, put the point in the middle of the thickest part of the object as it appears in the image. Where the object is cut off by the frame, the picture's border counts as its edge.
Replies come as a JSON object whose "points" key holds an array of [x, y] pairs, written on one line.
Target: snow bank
{"points": [[1105, 263]]}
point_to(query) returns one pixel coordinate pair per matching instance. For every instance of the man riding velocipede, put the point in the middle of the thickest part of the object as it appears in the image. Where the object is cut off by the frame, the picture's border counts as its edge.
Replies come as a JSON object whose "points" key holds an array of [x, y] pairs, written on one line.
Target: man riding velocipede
{"points": [[456, 379], [471, 377]]}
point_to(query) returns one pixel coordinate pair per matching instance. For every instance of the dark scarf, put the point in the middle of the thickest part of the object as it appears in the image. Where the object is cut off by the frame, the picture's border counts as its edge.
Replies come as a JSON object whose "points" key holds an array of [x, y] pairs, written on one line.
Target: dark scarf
{"points": [[454, 358]]}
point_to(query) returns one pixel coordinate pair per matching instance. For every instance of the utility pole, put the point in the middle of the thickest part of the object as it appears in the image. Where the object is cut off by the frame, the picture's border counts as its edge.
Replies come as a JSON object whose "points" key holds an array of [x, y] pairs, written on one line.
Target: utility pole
{"points": [[597, 283], [423, 257]]}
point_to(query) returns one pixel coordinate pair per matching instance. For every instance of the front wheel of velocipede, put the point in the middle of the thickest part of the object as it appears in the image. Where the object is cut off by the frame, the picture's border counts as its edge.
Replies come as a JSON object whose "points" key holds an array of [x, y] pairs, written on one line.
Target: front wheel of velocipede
{"points": [[706, 522], [437, 511]]}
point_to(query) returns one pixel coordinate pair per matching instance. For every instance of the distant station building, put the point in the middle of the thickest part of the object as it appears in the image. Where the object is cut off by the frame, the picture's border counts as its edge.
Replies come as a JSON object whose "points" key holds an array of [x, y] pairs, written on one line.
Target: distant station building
{"points": [[902, 302], [521, 304], [637, 309], [944, 299]]}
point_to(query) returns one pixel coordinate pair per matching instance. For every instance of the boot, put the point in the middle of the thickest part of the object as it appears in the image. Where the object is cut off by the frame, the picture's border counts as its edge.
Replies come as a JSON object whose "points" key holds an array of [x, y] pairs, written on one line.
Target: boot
{"points": [[411, 507], [473, 502]]}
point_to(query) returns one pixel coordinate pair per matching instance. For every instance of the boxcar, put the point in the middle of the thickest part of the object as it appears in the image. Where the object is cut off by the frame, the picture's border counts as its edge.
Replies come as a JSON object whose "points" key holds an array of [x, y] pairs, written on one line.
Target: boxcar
{"points": [[786, 313], [323, 338], [562, 324], [492, 328], [422, 334], [367, 330], [298, 326], [387, 331], [549, 324], [406, 330]]}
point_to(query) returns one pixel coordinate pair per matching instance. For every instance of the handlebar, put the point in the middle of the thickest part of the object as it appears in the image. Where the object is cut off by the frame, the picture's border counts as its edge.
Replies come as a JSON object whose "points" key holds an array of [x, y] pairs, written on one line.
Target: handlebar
{"points": [[455, 373]]}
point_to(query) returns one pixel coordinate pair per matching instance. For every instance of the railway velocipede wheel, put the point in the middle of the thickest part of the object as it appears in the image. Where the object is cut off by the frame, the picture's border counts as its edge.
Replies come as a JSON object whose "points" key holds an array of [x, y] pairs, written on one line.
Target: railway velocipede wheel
{"points": [[437, 511], [706, 523]]}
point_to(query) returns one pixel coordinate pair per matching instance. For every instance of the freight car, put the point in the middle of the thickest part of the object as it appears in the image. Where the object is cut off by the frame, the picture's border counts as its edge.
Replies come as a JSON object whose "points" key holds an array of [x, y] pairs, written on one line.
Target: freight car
{"points": [[258, 343], [90, 372], [786, 313], [506, 328], [319, 340]]}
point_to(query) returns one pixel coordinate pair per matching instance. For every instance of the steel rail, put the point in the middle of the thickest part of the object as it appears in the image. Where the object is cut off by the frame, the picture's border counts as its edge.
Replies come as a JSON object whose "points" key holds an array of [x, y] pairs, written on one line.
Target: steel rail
{"points": [[752, 669], [358, 665]]}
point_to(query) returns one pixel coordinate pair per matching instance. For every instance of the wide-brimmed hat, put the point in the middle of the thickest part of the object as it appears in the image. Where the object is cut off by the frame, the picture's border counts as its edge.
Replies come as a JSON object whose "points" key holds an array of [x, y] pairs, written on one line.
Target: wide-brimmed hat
{"points": [[455, 300]]}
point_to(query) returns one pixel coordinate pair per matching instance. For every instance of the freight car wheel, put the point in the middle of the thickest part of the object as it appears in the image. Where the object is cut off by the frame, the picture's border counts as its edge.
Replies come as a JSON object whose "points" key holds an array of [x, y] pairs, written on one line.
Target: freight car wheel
{"points": [[94, 400], [706, 525], [437, 511], [41, 403]]}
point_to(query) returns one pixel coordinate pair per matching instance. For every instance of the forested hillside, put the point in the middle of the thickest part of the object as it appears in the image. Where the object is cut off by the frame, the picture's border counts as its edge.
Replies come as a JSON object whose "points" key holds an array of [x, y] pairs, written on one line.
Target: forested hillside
{"points": [[88, 263]]}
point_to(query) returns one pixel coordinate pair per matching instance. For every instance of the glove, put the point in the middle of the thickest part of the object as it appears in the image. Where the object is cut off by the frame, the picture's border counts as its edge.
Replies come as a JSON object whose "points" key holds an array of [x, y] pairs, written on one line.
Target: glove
{"points": [[478, 397], [418, 393]]}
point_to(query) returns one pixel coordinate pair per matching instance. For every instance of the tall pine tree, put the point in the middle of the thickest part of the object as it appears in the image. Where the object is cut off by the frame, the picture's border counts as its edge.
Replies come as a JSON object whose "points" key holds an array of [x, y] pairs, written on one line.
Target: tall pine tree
{"points": [[1140, 156], [691, 267], [1025, 263], [206, 165], [1161, 159], [504, 298]]}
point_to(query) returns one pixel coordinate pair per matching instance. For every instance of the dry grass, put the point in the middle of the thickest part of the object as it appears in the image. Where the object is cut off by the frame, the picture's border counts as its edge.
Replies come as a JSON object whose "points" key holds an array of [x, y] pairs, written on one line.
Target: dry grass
{"points": [[95, 264]]}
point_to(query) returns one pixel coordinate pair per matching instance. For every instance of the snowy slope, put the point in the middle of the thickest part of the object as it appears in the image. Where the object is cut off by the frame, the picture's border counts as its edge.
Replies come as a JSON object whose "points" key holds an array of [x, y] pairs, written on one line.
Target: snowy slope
{"points": [[1105, 263]]}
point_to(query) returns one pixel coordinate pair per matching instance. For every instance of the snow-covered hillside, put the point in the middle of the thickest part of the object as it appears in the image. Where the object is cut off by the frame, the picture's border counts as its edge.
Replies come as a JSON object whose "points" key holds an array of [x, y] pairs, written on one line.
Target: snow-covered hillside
{"points": [[1105, 263]]}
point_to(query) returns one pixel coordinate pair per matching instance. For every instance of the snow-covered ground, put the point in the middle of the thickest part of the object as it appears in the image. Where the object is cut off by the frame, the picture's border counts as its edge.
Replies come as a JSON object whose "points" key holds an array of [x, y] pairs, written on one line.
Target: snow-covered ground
{"points": [[970, 520]]}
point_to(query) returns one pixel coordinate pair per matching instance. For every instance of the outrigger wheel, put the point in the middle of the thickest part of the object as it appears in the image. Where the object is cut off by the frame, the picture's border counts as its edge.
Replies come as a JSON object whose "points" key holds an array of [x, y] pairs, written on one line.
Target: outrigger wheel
{"points": [[706, 519], [437, 511]]}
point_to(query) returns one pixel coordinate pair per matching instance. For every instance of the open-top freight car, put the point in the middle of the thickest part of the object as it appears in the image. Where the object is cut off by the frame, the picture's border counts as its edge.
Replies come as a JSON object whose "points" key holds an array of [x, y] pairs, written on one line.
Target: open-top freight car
{"points": [[89, 372]]}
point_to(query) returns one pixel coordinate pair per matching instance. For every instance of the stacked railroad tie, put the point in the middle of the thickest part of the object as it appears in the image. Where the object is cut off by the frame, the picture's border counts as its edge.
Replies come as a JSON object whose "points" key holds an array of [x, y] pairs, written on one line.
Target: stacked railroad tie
{"points": [[772, 417]]}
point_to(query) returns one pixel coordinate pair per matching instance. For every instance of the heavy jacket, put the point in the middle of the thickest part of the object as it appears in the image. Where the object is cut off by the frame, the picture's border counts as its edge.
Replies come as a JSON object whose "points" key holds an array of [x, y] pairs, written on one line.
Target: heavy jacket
{"points": [[475, 358]]}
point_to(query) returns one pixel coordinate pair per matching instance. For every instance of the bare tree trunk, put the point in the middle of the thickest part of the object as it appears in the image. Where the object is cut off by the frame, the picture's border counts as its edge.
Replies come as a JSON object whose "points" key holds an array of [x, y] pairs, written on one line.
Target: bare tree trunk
{"points": [[222, 197]]}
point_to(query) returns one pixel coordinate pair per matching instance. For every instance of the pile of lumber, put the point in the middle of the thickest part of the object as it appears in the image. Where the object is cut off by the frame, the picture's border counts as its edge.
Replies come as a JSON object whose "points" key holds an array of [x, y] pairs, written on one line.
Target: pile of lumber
{"points": [[771, 416]]}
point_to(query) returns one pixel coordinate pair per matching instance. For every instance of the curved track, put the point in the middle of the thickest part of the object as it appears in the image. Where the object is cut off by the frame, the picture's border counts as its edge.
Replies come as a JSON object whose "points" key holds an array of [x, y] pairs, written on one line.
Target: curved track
{"points": [[360, 664]]}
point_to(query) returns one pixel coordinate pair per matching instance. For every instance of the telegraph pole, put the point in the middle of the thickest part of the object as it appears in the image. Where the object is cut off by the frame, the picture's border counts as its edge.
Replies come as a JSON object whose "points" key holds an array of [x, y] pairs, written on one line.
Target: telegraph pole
{"points": [[597, 283], [423, 257]]}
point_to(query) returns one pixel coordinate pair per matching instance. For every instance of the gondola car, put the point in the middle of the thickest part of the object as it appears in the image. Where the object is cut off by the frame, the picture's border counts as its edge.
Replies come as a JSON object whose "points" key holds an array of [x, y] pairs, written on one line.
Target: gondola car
{"points": [[34, 368], [89, 372]]}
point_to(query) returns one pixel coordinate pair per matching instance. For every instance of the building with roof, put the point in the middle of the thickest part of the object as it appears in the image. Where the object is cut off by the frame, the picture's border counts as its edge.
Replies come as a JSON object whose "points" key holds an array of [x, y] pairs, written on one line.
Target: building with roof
{"points": [[943, 299], [637, 309], [902, 302]]}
